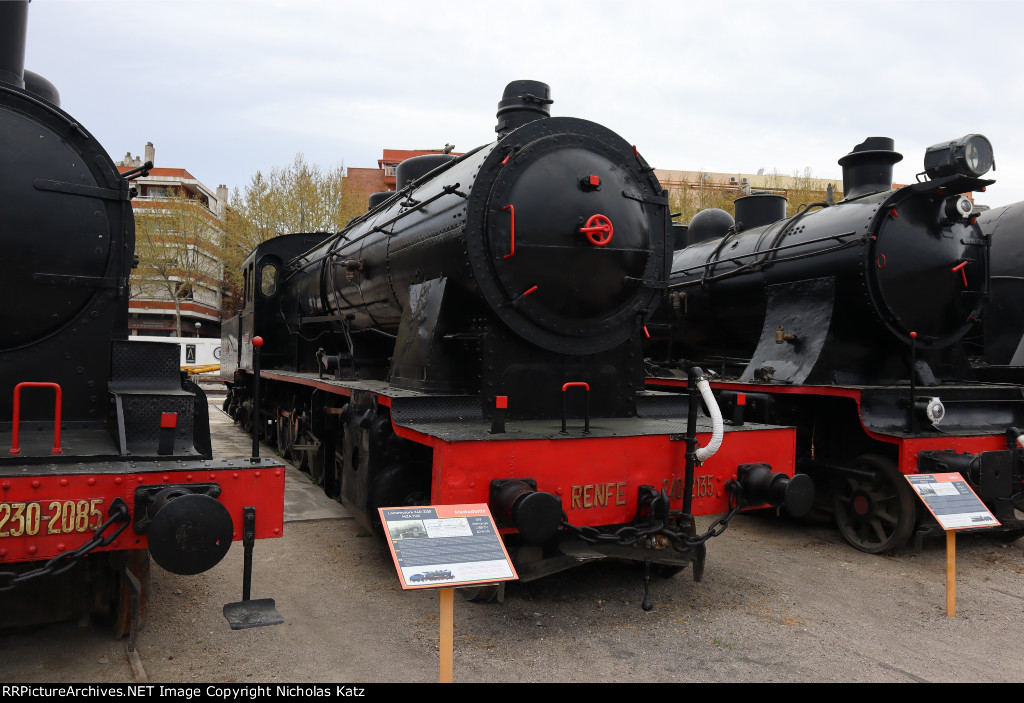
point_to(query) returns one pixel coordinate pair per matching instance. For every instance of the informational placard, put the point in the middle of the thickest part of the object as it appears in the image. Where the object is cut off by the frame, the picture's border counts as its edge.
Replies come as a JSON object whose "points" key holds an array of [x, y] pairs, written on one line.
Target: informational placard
{"points": [[951, 501], [446, 545]]}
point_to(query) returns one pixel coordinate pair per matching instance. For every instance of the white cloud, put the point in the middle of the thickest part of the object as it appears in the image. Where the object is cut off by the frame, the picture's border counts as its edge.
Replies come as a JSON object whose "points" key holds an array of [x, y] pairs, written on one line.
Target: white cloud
{"points": [[228, 87]]}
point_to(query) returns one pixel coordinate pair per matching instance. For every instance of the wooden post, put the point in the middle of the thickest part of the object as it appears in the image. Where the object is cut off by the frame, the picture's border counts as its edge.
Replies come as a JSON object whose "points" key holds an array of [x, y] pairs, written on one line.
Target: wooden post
{"points": [[951, 573], [447, 634]]}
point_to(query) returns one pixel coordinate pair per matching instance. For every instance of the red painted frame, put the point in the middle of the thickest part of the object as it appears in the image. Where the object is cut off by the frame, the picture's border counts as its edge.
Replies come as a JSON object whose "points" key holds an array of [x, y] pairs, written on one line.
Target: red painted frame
{"points": [[907, 447], [242, 486], [462, 471]]}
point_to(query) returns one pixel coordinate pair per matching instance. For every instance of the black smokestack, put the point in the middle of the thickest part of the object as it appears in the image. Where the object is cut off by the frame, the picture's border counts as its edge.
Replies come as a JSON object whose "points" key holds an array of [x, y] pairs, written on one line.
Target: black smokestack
{"points": [[868, 168], [13, 28], [522, 102]]}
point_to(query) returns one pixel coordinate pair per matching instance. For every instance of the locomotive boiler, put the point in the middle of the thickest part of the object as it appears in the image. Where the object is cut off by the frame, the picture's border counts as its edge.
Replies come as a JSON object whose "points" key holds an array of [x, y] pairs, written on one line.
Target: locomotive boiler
{"points": [[476, 338], [558, 233], [107, 446], [847, 320]]}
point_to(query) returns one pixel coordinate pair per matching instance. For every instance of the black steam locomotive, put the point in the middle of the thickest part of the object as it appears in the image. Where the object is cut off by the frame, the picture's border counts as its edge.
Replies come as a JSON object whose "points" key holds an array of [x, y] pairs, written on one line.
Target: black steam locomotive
{"points": [[847, 321], [107, 455], [476, 338]]}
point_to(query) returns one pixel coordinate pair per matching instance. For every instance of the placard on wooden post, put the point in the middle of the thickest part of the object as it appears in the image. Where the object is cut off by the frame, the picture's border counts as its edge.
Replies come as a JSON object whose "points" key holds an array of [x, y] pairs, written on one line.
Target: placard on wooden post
{"points": [[955, 506], [446, 546]]}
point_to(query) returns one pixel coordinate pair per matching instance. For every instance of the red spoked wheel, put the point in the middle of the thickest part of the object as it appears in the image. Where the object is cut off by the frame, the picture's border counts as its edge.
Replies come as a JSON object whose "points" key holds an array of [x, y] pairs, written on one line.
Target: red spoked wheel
{"points": [[599, 230]]}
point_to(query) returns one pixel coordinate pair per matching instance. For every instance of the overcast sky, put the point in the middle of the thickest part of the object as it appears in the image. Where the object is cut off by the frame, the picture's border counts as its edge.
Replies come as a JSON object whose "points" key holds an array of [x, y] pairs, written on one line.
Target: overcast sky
{"points": [[228, 87]]}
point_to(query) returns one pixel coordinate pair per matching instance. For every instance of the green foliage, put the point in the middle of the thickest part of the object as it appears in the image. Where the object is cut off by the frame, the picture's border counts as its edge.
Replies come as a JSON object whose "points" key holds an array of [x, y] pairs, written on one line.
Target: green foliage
{"points": [[177, 241], [301, 197], [799, 189], [704, 193], [804, 188]]}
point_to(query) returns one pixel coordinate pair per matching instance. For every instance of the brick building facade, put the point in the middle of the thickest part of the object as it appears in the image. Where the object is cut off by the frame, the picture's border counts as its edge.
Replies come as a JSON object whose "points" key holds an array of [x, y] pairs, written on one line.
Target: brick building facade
{"points": [[197, 285]]}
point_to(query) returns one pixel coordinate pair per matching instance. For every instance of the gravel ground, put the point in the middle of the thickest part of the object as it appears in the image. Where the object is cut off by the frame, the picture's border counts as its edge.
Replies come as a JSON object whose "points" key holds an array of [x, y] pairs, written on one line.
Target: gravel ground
{"points": [[780, 601]]}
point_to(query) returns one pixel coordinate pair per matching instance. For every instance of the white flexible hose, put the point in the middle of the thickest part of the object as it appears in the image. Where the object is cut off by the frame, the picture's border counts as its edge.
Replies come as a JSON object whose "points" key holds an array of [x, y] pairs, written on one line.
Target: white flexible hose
{"points": [[717, 426]]}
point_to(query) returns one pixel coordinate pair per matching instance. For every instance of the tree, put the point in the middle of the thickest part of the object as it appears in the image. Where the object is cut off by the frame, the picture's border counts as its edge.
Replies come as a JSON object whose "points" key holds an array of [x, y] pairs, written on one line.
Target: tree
{"points": [[806, 189], [706, 192], [300, 197], [703, 193], [177, 241]]}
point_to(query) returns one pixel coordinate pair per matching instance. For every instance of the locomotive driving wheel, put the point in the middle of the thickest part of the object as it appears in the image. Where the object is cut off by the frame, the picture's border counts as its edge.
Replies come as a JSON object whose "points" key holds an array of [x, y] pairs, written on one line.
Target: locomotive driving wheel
{"points": [[285, 435], [329, 462], [875, 509], [400, 484], [303, 445]]}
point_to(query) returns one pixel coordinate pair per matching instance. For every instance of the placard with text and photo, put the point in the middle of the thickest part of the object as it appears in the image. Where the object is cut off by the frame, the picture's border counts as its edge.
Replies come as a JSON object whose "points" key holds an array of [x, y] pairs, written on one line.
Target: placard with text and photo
{"points": [[951, 501], [446, 545]]}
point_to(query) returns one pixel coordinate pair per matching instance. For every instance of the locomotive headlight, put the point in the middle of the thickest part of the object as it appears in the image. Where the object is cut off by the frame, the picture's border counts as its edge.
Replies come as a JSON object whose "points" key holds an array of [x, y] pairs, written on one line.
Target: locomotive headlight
{"points": [[978, 155], [931, 409], [958, 208], [968, 156]]}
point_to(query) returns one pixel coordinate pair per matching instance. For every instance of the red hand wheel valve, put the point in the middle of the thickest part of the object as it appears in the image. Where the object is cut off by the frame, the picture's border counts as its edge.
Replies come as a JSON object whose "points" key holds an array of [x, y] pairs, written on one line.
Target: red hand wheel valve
{"points": [[598, 230]]}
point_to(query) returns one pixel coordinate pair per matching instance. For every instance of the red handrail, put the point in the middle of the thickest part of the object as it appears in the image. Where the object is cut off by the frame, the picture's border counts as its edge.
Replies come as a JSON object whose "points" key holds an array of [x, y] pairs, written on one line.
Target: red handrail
{"points": [[512, 212], [586, 408], [15, 449]]}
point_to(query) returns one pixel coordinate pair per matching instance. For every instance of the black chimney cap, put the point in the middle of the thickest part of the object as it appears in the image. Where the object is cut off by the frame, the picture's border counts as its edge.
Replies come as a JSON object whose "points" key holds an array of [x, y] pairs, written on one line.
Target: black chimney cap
{"points": [[878, 149]]}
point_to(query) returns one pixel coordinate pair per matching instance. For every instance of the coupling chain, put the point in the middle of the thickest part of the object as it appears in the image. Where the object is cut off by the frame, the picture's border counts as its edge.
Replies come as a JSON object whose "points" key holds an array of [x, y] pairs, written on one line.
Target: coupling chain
{"points": [[716, 528], [119, 513], [625, 536], [630, 535]]}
